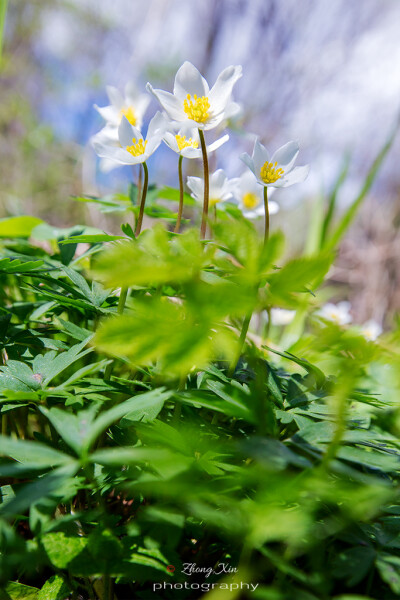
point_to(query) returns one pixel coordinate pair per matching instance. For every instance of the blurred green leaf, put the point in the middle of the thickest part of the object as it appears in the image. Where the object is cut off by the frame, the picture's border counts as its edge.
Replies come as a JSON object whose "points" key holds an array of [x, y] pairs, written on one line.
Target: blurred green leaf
{"points": [[18, 227]]}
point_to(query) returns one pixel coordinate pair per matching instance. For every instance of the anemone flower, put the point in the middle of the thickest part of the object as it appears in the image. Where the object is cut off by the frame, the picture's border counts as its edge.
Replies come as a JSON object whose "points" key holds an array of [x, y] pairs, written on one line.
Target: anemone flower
{"points": [[249, 195], [278, 170], [193, 102], [132, 105]]}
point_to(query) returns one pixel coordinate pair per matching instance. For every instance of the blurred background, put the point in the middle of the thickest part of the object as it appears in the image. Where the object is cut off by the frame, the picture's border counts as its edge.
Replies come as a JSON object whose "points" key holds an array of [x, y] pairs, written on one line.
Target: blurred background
{"points": [[325, 73]]}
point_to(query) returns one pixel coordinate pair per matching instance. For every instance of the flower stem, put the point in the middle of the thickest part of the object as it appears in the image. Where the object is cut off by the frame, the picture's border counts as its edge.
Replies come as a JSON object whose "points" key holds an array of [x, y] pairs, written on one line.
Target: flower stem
{"points": [[180, 209], [266, 233], [143, 200], [206, 186]]}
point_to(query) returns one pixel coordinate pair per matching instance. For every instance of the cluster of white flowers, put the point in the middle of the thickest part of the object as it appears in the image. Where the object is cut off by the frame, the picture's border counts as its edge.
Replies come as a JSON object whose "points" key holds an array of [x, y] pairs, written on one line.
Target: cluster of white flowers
{"points": [[340, 314], [190, 110]]}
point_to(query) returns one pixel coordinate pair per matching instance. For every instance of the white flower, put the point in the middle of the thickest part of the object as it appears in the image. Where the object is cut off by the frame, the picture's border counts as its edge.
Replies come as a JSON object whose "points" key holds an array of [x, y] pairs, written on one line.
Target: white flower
{"points": [[193, 102], [338, 313], [282, 316], [371, 330], [221, 188], [186, 142], [249, 195], [278, 170], [132, 105], [133, 148]]}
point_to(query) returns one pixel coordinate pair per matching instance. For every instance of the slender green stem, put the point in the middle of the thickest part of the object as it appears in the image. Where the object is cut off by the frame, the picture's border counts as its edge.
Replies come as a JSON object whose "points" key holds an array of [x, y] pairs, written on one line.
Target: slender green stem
{"points": [[242, 339], [204, 217], [107, 587], [139, 181], [120, 310], [180, 209], [4, 423], [266, 233], [143, 200]]}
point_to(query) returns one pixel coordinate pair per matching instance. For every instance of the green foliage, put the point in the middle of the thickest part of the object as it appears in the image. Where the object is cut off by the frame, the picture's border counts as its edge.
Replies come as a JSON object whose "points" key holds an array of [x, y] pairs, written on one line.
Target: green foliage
{"points": [[156, 434]]}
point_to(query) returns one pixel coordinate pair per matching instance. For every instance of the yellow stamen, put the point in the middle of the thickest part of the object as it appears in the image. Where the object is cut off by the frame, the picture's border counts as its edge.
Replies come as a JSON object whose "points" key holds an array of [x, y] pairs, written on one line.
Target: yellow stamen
{"points": [[184, 143], [214, 201], [137, 148], [250, 200], [129, 113], [269, 172], [197, 109]]}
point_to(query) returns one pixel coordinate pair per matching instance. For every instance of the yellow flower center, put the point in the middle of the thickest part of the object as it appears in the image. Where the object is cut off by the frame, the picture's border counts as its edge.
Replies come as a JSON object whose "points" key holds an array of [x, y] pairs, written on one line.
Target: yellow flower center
{"points": [[184, 143], [129, 113], [137, 148], [250, 200], [269, 172], [197, 109]]}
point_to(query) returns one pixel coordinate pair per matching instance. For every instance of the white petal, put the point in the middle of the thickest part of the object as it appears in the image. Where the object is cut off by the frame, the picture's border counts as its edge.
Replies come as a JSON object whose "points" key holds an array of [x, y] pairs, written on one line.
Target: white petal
{"points": [[196, 186], [107, 135], [217, 144], [233, 110], [171, 142], [109, 113], [131, 92], [260, 156], [119, 155], [126, 133], [218, 178], [157, 125], [190, 152], [189, 80], [297, 175], [169, 103], [286, 155], [107, 165], [273, 207], [247, 161], [220, 93], [115, 96], [152, 145]]}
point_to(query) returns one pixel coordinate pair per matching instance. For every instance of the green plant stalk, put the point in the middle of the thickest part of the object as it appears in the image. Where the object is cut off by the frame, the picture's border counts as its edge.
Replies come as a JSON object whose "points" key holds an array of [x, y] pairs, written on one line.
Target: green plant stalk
{"points": [[124, 291], [246, 322], [120, 310], [3, 10], [266, 231], [242, 339], [142, 201], [204, 216], [4, 424], [180, 208]]}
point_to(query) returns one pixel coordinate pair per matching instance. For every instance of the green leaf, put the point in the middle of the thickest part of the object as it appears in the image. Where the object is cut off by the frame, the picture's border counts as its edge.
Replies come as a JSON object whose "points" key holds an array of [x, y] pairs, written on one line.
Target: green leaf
{"points": [[32, 452], [169, 193], [51, 368], [179, 337], [296, 276], [62, 549], [14, 265], [19, 591], [354, 564], [152, 260], [138, 405], [388, 566], [42, 487], [18, 227], [55, 588], [92, 239], [348, 217], [74, 429]]}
